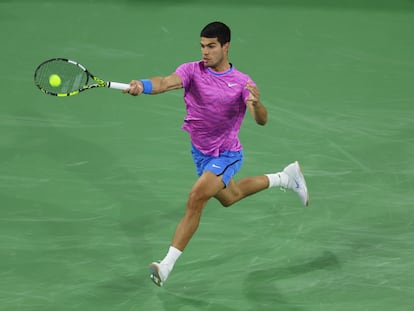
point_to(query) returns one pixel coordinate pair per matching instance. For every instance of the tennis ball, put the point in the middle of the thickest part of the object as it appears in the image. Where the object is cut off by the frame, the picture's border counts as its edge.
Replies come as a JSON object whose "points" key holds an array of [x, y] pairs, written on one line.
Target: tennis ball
{"points": [[54, 80]]}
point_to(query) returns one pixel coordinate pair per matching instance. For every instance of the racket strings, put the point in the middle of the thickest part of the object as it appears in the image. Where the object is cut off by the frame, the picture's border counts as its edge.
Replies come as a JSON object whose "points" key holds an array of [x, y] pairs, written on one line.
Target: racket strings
{"points": [[72, 77]]}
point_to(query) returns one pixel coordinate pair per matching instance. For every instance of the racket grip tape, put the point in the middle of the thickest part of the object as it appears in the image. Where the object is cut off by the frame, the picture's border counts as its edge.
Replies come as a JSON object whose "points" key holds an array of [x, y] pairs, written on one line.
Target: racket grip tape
{"points": [[118, 86]]}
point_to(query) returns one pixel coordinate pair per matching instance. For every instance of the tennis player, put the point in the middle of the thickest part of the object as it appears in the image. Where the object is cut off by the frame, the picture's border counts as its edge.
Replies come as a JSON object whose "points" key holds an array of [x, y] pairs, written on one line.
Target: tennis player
{"points": [[217, 96]]}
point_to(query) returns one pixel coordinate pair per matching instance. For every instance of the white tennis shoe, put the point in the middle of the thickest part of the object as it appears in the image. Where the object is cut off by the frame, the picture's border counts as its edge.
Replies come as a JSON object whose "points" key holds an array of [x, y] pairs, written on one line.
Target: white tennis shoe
{"points": [[159, 273], [296, 182]]}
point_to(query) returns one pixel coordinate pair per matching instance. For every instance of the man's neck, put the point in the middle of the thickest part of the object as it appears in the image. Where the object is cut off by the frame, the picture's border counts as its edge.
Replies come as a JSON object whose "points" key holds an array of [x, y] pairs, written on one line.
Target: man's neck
{"points": [[222, 67]]}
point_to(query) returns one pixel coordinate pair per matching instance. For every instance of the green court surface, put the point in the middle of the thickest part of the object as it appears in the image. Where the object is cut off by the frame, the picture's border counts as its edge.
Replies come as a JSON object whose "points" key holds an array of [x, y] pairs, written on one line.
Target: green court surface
{"points": [[92, 186]]}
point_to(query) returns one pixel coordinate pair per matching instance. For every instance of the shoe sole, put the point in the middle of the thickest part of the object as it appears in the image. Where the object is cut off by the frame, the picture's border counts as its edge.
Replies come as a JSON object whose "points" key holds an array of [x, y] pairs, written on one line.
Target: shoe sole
{"points": [[155, 277], [304, 183]]}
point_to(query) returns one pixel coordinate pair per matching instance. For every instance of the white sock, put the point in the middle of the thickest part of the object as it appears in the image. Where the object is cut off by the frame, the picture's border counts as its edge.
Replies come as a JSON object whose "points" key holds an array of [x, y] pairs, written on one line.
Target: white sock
{"points": [[171, 258], [278, 179]]}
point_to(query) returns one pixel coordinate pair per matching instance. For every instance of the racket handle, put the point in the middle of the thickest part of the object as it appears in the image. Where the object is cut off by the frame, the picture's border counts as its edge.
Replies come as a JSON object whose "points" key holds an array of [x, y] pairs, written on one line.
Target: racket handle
{"points": [[118, 86]]}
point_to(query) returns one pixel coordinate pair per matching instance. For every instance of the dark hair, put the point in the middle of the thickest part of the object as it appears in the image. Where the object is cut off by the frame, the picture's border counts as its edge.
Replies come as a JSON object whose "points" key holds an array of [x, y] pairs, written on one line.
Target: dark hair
{"points": [[217, 30]]}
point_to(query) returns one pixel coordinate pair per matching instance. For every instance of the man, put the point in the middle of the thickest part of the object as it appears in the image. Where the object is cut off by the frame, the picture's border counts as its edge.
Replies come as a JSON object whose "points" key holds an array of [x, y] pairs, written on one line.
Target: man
{"points": [[216, 95]]}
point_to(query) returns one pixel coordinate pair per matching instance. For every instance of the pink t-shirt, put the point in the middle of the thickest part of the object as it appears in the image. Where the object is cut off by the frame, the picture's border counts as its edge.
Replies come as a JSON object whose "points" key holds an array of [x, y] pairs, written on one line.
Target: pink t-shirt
{"points": [[215, 104]]}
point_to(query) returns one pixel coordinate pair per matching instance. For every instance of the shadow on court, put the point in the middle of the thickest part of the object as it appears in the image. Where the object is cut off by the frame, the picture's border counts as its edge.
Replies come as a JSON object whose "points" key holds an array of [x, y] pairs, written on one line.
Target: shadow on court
{"points": [[260, 286], [170, 301]]}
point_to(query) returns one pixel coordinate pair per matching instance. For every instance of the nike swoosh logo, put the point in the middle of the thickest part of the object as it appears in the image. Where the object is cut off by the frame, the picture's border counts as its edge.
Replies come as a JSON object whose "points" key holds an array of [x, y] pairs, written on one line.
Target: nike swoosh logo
{"points": [[232, 84], [297, 184], [215, 166]]}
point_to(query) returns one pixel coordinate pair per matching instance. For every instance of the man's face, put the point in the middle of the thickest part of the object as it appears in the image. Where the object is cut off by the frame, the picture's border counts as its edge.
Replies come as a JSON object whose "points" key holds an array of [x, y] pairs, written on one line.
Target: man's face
{"points": [[213, 53]]}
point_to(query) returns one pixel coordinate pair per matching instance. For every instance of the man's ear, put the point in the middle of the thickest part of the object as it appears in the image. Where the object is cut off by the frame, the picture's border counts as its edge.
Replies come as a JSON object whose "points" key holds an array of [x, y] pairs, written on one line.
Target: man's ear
{"points": [[226, 46]]}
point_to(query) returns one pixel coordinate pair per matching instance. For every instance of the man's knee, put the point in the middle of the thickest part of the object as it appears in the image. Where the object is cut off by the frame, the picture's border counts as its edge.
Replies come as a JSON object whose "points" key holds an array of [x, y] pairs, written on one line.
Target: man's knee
{"points": [[228, 198], [196, 200], [226, 203]]}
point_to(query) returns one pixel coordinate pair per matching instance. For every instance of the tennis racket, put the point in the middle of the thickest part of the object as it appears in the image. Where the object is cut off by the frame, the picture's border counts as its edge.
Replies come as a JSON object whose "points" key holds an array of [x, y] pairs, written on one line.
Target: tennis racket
{"points": [[65, 77]]}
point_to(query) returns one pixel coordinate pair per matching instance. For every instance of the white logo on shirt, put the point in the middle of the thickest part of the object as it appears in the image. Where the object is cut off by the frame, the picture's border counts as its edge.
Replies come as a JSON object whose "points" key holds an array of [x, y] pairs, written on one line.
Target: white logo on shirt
{"points": [[231, 84], [216, 166]]}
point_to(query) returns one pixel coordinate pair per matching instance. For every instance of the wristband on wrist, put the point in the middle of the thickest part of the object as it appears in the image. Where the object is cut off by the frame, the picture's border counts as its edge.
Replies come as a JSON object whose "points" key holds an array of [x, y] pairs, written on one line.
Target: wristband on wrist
{"points": [[147, 85]]}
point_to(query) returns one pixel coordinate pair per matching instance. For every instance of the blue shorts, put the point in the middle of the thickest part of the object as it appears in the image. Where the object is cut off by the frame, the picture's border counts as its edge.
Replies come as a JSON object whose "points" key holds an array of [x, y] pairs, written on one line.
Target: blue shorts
{"points": [[227, 164]]}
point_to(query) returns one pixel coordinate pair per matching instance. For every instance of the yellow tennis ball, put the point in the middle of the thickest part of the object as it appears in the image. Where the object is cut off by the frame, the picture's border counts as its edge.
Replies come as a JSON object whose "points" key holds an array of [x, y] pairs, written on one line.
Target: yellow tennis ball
{"points": [[54, 80]]}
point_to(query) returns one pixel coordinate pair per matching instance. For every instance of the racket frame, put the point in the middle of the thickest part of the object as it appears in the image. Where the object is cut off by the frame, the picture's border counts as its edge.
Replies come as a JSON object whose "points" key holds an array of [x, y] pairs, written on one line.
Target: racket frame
{"points": [[98, 82]]}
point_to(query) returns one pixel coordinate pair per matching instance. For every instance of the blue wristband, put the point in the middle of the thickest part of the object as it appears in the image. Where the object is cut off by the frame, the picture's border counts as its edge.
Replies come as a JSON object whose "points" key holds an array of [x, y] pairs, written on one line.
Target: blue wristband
{"points": [[147, 85]]}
